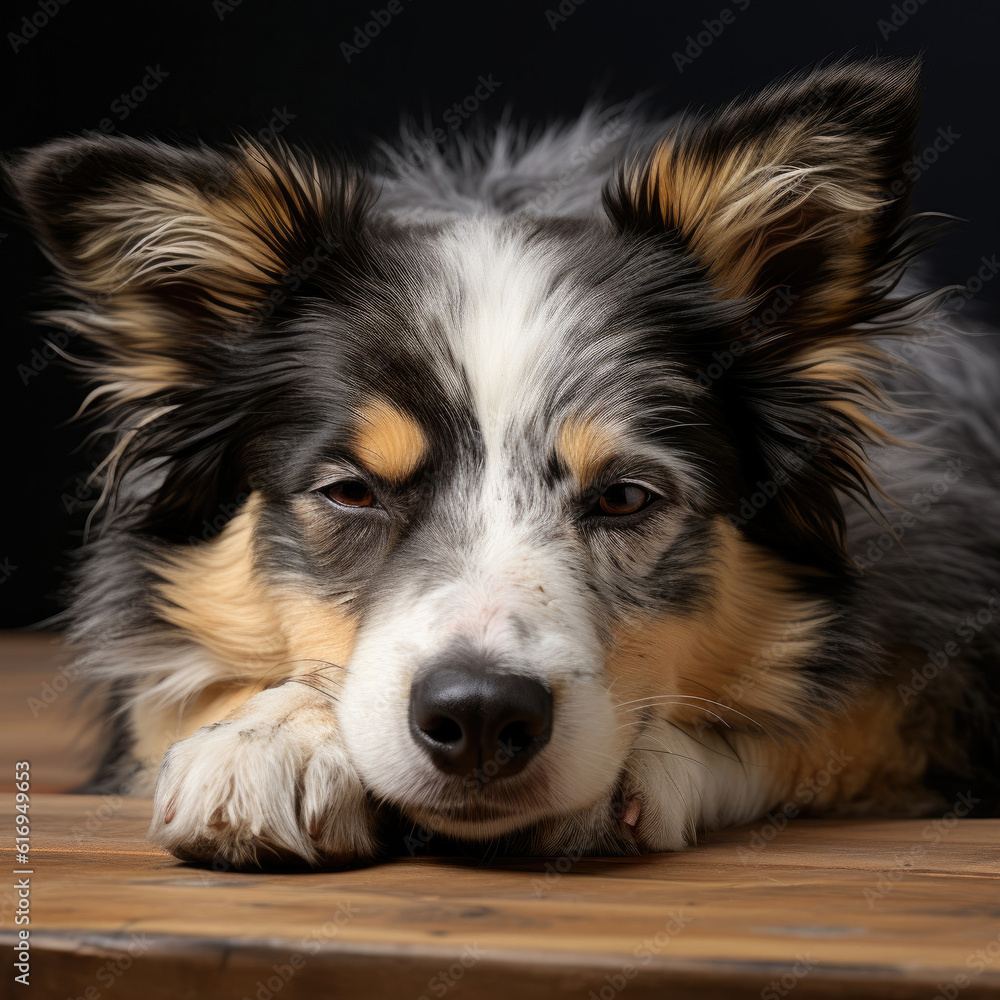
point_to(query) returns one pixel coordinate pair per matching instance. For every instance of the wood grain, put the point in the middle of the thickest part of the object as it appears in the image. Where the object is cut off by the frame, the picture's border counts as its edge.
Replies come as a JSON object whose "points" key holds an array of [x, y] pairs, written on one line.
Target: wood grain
{"points": [[879, 909]]}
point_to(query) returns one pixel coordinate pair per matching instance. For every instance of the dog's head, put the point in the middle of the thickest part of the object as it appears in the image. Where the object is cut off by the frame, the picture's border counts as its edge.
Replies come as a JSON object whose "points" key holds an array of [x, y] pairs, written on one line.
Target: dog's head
{"points": [[532, 481]]}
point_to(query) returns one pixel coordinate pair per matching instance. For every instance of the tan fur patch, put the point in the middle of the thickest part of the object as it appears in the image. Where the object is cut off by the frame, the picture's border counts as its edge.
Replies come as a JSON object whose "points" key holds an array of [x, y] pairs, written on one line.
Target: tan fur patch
{"points": [[741, 209], [253, 632], [387, 441], [585, 446], [864, 761], [737, 658], [225, 248], [212, 593]]}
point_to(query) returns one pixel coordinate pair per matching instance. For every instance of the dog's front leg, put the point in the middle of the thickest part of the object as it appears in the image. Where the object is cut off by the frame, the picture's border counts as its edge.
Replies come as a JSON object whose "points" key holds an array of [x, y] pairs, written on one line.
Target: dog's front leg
{"points": [[270, 782]]}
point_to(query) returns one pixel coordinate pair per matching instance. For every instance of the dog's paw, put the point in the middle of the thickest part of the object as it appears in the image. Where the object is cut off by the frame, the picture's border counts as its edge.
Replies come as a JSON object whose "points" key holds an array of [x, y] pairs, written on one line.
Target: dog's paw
{"points": [[270, 784]]}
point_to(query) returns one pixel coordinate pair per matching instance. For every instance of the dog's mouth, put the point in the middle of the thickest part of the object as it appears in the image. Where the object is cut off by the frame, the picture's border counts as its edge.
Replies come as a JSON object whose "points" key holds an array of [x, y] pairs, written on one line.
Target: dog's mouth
{"points": [[456, 827], [478, 809], [475, 820]]}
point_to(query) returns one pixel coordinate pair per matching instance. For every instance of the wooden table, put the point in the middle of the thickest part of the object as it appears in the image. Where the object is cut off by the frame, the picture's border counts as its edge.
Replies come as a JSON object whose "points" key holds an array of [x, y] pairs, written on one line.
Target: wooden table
{"points": [[817, 909]]}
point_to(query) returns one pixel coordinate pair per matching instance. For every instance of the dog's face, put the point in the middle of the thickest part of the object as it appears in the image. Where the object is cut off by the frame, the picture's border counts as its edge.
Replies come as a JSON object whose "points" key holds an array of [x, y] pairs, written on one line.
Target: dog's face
{"points": [[493, 464], [511, 478]]}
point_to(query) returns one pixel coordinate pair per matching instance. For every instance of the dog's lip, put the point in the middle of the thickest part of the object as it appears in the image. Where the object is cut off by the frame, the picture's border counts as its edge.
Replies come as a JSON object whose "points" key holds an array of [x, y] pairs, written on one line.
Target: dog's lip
{"points": [[465, 813], [471, 818]]}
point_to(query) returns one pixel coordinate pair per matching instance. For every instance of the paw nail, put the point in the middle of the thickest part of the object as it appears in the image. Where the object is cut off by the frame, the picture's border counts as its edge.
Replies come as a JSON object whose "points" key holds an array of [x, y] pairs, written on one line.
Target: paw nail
{"points": [[632, 809]]}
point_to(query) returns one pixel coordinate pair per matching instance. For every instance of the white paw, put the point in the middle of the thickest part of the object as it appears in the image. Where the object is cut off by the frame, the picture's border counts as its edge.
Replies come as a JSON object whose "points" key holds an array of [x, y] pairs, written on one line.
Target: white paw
{"points": [[270, 783]]}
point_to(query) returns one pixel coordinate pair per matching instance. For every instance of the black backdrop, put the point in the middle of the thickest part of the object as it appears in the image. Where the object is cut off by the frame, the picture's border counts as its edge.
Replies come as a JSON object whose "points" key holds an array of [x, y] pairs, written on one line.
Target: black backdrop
{"points": [[201, 69]]}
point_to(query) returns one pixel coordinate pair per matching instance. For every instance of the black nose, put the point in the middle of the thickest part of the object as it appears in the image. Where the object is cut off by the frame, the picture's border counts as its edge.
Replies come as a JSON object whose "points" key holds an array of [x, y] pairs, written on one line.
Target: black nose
{"points": [[475, 720]]}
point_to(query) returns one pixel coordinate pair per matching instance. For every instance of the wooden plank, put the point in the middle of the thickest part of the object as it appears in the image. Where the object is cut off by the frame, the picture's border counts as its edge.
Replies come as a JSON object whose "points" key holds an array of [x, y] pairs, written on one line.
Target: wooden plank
{"points": [[41, 714], [884, 909], [711, 917]]}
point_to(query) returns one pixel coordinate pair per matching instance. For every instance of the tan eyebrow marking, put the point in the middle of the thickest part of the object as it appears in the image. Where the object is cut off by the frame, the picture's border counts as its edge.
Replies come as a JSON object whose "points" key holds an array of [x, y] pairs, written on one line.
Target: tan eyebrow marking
{"points": [[387, 441], [585, 446]]}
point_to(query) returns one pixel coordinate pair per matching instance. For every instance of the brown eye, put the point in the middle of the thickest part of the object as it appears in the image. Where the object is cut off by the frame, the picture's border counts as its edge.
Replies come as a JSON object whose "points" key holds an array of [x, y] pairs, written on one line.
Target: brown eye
{"points": [[623, 498], [350, 493]]}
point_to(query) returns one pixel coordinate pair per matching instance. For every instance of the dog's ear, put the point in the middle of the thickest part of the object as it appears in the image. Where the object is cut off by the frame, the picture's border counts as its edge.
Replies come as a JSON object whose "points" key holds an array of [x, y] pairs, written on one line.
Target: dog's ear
{"points": [[169, 259], [801, 186], [161, 247], [792, 204]]}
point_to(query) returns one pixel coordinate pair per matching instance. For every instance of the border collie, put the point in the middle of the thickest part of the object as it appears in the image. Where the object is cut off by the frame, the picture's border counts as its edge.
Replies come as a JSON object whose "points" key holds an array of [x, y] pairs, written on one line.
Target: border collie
{"points": [[573, 490]]}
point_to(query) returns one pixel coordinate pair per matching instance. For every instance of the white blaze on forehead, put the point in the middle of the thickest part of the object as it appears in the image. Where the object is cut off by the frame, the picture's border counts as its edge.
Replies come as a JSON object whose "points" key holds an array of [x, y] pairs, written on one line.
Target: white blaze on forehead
{"points": [[508, 330]]}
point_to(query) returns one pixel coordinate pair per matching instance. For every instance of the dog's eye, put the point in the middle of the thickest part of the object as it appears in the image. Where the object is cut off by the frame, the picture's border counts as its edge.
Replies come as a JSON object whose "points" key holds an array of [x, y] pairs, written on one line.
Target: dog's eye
{"points": [[623, 498], [350, 493]]}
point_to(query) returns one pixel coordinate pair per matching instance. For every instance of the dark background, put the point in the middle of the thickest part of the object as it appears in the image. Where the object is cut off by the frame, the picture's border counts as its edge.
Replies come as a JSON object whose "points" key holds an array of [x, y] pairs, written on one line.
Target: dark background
{"points": [[234, 63]]}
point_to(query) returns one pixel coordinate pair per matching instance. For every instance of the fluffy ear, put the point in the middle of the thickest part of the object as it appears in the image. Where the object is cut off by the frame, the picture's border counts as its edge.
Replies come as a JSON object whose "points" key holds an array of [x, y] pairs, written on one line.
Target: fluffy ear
{"points": [[159, 246], [168, 258], [792, 204]]}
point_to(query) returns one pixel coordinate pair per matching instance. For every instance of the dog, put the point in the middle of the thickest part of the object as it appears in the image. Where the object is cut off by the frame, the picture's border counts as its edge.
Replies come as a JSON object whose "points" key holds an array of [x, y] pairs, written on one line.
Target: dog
{"points": [[558, 492]]}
